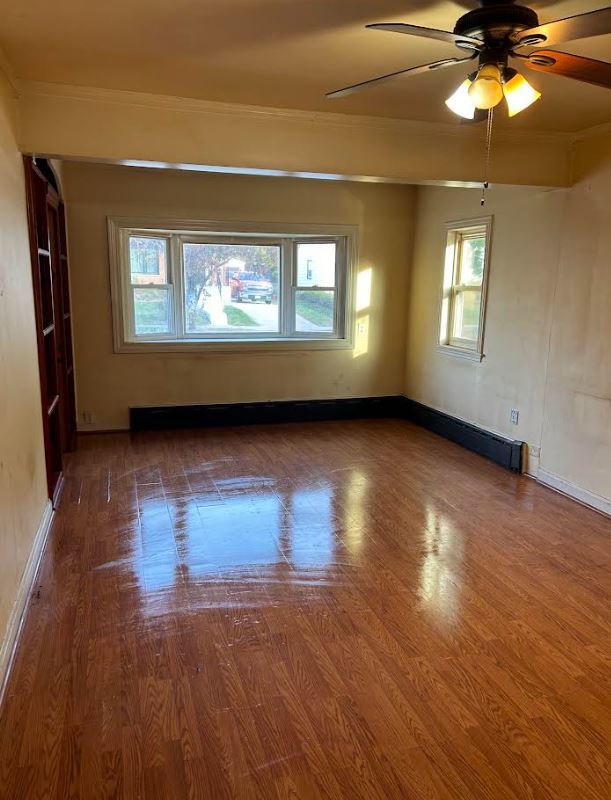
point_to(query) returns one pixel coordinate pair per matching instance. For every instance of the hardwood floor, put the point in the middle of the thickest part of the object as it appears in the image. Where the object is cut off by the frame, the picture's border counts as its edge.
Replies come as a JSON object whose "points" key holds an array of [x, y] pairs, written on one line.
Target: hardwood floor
{"points": [[328, 610]]}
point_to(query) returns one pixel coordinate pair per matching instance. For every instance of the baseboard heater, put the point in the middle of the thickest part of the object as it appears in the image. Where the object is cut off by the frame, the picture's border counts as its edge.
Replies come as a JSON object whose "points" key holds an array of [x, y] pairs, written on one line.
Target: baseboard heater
{"points": [[503, 451], [198, 416], [506, 452]]}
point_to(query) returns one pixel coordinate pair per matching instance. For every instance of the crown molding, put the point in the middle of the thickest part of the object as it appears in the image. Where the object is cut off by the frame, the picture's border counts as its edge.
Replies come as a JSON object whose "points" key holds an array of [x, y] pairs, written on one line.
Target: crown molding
{"points": [[334, 119]]}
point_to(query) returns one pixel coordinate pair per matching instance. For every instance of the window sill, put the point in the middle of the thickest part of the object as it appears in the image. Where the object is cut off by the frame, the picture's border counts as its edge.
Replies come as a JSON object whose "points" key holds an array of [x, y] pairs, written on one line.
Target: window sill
{"points": [[460, 352], [239, 346]]}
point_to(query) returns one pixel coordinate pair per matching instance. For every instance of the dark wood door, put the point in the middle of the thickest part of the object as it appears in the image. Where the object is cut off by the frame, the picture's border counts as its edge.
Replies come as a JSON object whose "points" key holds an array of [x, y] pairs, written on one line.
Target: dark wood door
{"points": [[53, 319]]}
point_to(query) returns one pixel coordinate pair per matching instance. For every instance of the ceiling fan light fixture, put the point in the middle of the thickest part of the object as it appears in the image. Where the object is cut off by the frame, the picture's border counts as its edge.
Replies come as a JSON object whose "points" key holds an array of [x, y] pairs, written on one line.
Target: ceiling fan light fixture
{"points": [[493, 34], [486, 90], [460, 102], [518, 92]]}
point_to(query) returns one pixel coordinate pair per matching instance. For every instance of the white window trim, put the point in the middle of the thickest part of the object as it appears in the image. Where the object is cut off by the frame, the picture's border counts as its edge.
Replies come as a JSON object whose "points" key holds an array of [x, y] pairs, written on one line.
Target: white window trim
{"points": [[452, 347], [287, 235]]}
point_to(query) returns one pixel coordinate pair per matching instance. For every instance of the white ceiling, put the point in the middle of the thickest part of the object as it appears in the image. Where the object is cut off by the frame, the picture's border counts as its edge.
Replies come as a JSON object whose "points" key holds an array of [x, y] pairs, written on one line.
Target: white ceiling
{"points": [[284, 53]]}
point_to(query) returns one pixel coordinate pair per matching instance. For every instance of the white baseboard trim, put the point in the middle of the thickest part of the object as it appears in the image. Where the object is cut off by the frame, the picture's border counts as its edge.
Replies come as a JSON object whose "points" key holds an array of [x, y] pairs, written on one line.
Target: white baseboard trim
{"points": [[18, 612], [531, 465], [584, 496]]}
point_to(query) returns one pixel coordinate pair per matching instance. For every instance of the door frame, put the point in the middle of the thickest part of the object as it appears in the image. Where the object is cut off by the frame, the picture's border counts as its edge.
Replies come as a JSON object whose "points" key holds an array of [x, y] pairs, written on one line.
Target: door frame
{"points": [[50, 283]]}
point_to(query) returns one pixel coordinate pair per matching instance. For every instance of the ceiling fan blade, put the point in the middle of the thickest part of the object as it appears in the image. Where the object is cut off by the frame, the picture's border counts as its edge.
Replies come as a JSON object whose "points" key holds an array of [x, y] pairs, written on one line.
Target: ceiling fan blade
{"points": [[594, 23], [588, 70], [447, 62], [428, 33]]}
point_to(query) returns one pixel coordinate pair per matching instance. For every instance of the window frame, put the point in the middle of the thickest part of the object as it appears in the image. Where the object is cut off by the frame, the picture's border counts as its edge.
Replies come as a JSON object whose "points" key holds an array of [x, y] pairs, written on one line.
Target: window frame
{"points": [[338, 289], [128, 289], [180, 232], [456, 232], [182, 333]]}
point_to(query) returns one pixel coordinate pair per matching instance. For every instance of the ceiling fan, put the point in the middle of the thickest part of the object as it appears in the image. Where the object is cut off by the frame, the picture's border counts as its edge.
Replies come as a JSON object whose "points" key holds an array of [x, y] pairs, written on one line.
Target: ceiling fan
{"points": [[494, 33]]}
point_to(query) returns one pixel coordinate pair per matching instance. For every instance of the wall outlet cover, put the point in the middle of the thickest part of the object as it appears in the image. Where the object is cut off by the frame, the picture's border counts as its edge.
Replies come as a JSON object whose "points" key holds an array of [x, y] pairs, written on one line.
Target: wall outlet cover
{"points": [[514, 416]]}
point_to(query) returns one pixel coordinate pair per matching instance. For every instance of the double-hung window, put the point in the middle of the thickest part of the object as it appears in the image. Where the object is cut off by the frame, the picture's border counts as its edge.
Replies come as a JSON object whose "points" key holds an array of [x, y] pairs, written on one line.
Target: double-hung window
{"points": [[150, 295], [463, 301], [190, 285]]}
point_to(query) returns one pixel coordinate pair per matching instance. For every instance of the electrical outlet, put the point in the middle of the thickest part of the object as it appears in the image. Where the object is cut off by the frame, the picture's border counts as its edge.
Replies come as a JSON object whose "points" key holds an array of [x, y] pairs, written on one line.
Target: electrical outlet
{"points": [[514, 416], [88, 418], [534, 451]]}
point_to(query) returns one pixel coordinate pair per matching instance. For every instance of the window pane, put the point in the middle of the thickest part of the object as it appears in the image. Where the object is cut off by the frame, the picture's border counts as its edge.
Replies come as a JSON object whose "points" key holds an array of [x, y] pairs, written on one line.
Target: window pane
{"points": [[152, 311], [466, 315], [316, 264], [314, 311], [231, 288], [148, 260], [472, 261]]}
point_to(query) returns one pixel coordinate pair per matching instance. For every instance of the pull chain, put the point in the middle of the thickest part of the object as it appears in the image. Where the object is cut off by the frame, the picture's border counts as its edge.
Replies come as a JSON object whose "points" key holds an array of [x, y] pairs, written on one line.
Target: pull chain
{"points": [[482, 202]]}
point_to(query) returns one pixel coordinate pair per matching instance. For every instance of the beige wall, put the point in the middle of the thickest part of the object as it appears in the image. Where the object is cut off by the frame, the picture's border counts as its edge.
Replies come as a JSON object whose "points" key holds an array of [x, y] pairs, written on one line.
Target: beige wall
{"points": [[576, 441], [548, 330], [520, 286], [22, 472], [107, 383], [112, 125]]}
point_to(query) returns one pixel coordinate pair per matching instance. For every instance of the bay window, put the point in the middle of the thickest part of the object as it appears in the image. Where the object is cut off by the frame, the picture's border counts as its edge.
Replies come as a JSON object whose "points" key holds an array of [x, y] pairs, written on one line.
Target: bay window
{"points": [[191, 285]]}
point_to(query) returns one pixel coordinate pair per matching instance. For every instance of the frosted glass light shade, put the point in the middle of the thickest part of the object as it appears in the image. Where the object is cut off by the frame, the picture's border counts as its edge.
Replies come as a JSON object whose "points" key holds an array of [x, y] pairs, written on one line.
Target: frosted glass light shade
{"points": [[460, 102], [486, 90], [519, 94]]}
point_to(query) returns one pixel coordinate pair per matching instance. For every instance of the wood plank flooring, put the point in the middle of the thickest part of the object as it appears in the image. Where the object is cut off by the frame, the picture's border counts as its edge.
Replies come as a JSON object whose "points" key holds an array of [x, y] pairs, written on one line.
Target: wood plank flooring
{"points": [[328, 610]]}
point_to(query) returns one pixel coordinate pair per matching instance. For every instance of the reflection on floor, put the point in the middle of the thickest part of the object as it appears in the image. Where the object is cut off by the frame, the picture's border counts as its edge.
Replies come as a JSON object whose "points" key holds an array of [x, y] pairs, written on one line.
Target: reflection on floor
{"points": [[333, 610]]}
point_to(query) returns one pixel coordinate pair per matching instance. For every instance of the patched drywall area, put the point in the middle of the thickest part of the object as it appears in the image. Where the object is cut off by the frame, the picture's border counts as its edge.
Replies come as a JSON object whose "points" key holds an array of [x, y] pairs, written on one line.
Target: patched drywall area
{"points": [[23, 492], [109, 383]]}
